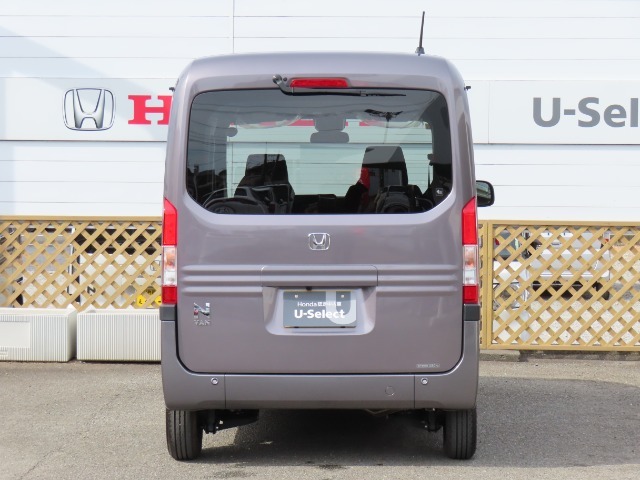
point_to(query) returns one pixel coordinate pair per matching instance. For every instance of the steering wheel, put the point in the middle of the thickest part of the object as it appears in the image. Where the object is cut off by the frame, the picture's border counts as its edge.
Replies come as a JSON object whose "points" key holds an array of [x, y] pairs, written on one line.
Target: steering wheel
{"points": [[242, 205]]}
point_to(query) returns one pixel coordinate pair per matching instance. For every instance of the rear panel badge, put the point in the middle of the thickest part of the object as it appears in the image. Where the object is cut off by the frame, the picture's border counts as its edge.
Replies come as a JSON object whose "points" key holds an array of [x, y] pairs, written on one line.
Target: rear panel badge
{"points": [[205, 312], [319, 241]]}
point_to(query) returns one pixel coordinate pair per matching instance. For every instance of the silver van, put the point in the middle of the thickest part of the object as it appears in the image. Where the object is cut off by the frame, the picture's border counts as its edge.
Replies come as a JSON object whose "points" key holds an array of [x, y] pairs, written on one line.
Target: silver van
{"points": [[320, 246]]}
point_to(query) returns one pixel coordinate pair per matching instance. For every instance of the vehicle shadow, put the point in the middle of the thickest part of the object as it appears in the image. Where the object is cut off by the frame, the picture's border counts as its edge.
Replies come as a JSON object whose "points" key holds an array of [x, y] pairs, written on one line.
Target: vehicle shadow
{"points": [[522, 423]]}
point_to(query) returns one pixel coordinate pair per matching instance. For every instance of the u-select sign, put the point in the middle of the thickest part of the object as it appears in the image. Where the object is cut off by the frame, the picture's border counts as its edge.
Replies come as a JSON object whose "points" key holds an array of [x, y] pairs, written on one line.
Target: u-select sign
{"points": [[589, 113]]}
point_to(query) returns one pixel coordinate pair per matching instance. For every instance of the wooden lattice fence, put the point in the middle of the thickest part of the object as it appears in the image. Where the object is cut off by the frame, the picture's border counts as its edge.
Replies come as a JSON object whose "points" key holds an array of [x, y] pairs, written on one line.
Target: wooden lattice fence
{"points": [[561, 287], [85, 263], [546, 286]]}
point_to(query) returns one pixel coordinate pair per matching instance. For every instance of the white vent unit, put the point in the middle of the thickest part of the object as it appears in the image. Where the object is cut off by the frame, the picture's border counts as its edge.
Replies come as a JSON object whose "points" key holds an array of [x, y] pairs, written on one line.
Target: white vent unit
{"points": [[119, 335], [37, 334]]}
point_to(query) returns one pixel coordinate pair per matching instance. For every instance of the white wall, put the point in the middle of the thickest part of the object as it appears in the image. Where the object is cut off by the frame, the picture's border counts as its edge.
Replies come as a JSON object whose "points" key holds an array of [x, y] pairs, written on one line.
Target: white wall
{"points": [[129, 47], [509, 52]]}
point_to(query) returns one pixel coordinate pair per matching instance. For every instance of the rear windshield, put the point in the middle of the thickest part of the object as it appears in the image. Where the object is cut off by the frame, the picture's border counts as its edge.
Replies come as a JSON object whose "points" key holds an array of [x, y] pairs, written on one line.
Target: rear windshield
{"points": [[263, 152]]}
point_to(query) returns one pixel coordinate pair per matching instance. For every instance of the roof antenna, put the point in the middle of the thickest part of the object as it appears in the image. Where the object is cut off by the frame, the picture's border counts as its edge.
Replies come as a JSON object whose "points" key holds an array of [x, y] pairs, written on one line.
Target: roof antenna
{"points": [[420, 50]]}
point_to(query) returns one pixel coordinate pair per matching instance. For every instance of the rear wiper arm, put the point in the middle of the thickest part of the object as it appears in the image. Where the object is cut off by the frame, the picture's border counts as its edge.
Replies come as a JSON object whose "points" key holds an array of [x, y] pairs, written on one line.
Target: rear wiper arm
{"points": [[284, 88]]}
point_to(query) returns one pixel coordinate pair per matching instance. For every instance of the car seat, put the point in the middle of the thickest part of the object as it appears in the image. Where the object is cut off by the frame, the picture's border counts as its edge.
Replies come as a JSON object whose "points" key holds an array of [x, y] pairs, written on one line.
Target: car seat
{"points": [[267, 178], [441, 183], [382, 182]]}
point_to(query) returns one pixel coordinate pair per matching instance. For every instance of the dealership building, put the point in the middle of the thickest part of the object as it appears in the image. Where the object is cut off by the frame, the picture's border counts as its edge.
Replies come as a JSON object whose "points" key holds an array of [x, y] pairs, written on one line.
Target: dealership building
{"points": [[554, 93], [86, 92]]}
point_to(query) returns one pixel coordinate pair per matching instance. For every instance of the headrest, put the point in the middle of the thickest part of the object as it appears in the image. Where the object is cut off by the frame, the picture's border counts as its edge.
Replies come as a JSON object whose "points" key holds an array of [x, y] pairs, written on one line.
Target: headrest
{"points": [[329, 123], [383, 155], [265, 169], [260, 159], [329, 130]]}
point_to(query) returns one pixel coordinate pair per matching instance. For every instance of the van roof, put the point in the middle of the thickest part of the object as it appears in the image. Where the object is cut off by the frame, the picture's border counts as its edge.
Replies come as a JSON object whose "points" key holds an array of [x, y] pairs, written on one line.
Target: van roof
{"points": [[390, 70]]}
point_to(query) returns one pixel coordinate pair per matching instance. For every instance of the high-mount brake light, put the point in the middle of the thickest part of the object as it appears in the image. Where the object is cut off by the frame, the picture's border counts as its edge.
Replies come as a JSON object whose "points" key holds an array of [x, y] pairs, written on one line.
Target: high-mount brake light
{"points": [[321, 82], [169, 254], [470, 273]]}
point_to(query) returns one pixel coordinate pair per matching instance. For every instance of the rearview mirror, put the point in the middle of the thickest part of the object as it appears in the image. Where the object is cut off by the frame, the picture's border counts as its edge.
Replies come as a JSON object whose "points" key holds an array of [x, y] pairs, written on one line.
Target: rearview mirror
{"points": [[485, 193]]}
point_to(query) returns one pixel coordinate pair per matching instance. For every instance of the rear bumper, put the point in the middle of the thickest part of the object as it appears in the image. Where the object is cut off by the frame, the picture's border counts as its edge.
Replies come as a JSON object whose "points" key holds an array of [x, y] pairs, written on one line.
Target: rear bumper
{"points": [[455, 389]]}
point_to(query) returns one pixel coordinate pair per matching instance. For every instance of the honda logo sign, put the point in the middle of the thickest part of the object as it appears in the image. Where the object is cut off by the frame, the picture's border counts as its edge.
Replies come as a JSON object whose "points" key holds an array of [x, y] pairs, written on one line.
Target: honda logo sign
{"points": [[89, 109]]}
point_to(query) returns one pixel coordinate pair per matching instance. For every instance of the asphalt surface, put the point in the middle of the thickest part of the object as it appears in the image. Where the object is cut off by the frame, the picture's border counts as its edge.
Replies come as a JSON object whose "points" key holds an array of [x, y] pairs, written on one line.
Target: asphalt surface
{"points": [[538, 419]]}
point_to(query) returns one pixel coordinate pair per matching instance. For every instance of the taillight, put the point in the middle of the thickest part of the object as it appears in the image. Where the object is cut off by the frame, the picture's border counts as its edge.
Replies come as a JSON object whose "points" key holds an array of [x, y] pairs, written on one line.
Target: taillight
{"points": [[169, 254], [321, 82], [470, 269]]}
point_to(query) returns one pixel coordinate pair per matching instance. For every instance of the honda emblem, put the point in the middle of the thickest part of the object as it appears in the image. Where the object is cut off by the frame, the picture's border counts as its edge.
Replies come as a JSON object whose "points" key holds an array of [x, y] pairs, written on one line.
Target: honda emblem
{"points": [[89, 109], [319, 241]]}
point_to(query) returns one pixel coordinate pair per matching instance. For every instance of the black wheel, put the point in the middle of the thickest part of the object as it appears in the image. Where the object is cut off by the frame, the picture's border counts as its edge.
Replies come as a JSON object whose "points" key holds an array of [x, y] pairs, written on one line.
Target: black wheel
{"points": [[184, 434], [460, 433]]}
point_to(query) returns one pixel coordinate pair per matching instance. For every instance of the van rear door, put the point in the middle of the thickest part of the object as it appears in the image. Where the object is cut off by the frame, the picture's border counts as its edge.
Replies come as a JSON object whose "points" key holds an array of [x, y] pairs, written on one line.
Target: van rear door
{"points": [[320, 233]]}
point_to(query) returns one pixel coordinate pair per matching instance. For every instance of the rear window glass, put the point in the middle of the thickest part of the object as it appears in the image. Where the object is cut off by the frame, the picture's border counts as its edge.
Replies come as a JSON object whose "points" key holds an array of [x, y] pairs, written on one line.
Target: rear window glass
{"points": [[266, 152]]}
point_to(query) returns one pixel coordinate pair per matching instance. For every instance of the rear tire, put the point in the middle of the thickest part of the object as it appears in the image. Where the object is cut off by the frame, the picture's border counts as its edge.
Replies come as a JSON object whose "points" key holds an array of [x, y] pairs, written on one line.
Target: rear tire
{"points": [[460, 433], [184, 434]]}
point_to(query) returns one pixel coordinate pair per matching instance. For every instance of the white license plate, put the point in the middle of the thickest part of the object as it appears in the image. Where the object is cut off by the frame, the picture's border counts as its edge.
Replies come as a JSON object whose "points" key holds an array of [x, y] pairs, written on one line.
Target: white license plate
{"points": [[319, 308]]}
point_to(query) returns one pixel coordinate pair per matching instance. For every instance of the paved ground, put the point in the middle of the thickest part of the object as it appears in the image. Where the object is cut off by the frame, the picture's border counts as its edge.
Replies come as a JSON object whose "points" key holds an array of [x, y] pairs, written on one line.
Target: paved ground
{"points": [[538, 419]]}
